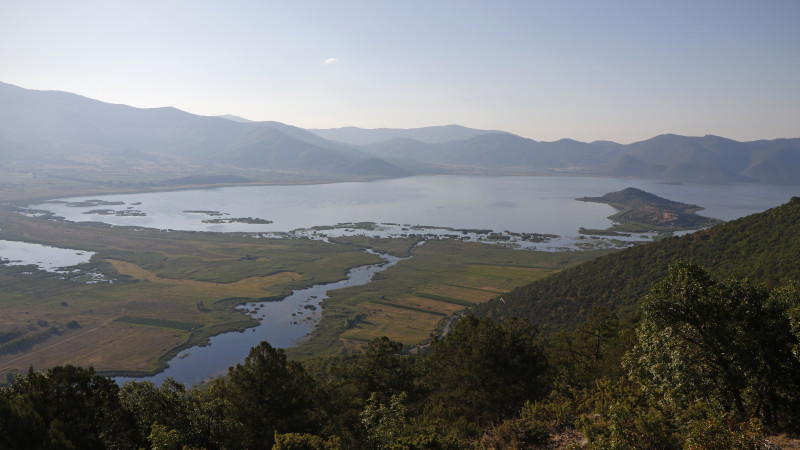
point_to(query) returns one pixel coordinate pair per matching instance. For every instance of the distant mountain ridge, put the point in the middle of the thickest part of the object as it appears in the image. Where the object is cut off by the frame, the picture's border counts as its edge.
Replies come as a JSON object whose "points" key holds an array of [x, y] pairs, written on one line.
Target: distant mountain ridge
{"points": [[429, 135], [63, 128], [234, 118], [707, 159], [67, 130]]}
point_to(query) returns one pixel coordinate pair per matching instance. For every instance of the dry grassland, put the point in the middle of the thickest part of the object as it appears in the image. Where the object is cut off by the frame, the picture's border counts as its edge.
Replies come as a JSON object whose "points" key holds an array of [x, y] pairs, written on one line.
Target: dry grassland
{"points": [[253, 287]]}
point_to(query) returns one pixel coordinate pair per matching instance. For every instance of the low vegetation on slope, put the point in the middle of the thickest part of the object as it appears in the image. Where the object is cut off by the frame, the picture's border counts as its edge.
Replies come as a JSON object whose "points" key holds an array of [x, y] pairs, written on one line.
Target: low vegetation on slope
{"points": [[762, 247]]}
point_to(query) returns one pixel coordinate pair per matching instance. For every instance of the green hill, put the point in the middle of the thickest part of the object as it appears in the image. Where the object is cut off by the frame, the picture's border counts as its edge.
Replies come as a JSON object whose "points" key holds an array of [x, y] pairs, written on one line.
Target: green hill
{"points": [[643, 211], [763, 247], [632, 197]]}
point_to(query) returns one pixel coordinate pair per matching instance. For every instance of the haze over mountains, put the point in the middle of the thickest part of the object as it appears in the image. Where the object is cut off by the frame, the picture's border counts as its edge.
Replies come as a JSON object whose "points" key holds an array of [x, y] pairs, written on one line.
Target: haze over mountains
{"points": [[54, 127], [59, 126], [430, 135]]}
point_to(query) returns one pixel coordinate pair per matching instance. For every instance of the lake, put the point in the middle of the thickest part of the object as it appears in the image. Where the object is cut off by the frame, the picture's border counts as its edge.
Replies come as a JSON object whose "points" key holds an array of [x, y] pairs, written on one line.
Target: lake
{"points": [[522, 204]]}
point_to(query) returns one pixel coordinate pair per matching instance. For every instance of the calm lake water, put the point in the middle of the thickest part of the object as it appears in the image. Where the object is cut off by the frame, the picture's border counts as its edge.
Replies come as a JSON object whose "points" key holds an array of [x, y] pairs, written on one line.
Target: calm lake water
{"points": [[517, 204], [51, 259]]}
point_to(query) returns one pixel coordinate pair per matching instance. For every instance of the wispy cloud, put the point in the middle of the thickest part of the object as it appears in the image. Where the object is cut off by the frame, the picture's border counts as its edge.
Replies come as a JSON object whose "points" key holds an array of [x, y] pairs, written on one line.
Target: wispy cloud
{"points": [[331, 60]]}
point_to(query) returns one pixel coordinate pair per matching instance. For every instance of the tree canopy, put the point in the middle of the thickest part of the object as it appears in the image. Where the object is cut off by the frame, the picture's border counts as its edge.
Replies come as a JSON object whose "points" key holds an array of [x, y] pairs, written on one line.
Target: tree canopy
{"points": [[729, 341]]}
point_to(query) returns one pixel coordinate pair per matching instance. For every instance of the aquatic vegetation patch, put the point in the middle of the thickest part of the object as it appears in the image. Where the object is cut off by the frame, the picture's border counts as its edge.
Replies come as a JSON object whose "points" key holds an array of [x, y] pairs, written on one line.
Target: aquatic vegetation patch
{"points": [[90, 203], [119, 212], [250, 220]]}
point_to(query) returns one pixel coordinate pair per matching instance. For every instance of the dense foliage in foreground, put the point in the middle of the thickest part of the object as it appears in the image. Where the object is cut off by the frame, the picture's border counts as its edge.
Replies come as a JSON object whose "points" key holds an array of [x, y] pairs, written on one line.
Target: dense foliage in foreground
{"points": [[711, 363], [481, 373]]}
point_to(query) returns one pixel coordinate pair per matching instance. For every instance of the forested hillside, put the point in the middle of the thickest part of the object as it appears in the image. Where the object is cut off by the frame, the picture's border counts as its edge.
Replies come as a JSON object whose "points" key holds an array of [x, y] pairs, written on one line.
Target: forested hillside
{"points": [[762, 247]]}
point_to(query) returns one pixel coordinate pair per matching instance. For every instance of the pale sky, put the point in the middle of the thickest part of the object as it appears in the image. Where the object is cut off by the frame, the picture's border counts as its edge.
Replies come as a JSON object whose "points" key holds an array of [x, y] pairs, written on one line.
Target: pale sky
{"points": [[587, 70]]}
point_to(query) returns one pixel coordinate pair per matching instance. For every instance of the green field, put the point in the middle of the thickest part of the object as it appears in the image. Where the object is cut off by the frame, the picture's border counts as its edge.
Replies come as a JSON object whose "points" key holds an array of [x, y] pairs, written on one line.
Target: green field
{"points": [[407, 301], [161, 323], [159, 279]]}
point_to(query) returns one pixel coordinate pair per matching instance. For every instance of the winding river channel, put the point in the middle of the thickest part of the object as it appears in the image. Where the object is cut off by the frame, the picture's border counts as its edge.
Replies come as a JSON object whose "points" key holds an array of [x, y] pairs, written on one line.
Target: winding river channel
{"points": [[281, 323]]}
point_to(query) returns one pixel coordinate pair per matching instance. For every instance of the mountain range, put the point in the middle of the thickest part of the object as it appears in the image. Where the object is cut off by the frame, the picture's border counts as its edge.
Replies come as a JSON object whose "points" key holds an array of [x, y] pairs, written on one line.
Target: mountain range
{"points": [[68, 129], [60, 127]]}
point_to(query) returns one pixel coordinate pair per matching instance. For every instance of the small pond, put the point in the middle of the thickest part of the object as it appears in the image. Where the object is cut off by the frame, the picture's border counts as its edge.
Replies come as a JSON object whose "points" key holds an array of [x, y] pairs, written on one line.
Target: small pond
{"points": [[44, 257]]}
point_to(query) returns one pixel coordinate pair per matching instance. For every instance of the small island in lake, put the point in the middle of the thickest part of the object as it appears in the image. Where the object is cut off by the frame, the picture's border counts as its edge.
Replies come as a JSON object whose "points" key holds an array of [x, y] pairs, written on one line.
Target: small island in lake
{"points": [[641, 211]]}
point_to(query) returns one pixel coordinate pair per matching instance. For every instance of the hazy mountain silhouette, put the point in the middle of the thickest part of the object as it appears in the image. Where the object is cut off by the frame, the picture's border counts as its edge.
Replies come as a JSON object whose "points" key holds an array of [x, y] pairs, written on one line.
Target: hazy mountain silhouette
{"points": [[710, 159], [52, 125], [63, 128], [375, 166], [778, 160], [430, 135], [234, 118]]}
